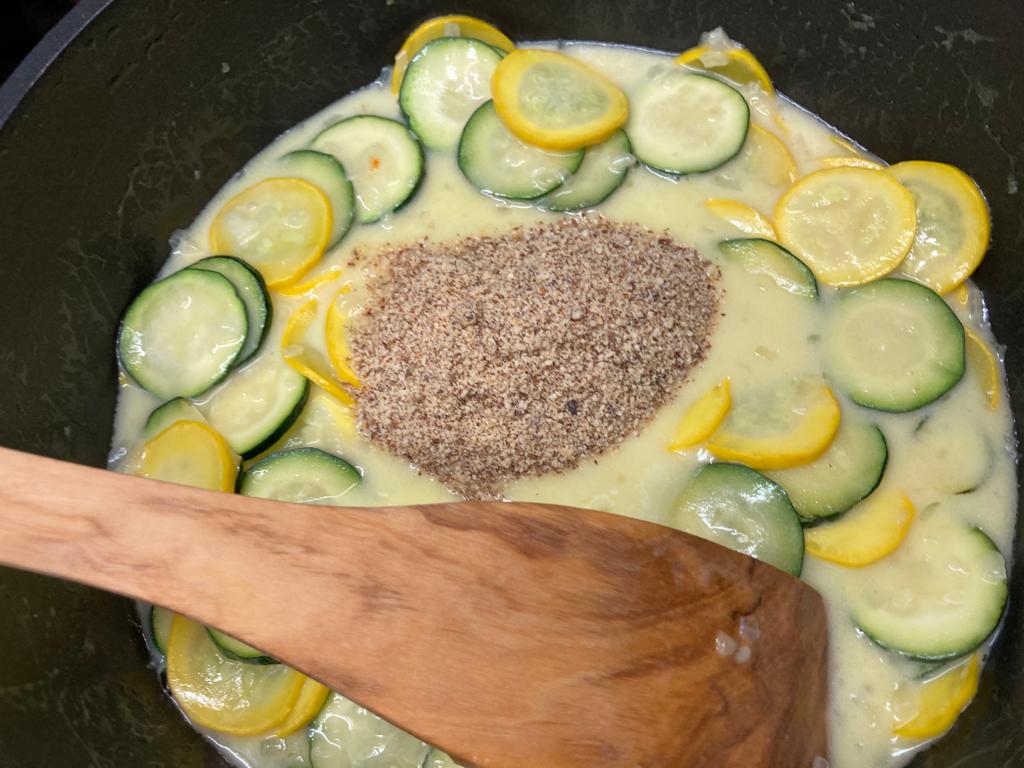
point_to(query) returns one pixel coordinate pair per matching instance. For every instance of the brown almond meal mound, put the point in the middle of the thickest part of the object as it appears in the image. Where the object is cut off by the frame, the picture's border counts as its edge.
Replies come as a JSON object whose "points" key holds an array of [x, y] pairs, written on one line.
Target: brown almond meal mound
{"points": [[487, 359]]}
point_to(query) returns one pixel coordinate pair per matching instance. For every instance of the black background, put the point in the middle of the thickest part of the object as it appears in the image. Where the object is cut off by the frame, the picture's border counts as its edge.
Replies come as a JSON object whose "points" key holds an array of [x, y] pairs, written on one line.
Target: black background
{"points": [[22, 23]]}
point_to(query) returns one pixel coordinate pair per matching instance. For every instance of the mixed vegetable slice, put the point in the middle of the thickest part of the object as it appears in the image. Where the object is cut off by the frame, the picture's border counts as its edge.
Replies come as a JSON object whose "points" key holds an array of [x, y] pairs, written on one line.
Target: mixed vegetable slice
{"points": [[766, 157], [684, 123], [985, 364], [252, 290], [445, 26], [165, 414], [601, 172], [870, 531], [952, 223], [382, 157], [731, 61], [740, 508], [303, 354], [256, 405], [224, 694], [304, 288], [280, 226], [778, 427], [324, 408], [746, 219], [851, 161], [302, 475], [183, 334], [160, 620], [325, 173], [894, 345], [189, 453], [939, 596], [496, 161], [336, 332], [236, 649], [940, 699], [766, 259], [447, 80], [849, 469], [959, 466], [849, 225], [702, 418], [848, 145], [311, 701], [345, 735], [556, 102]]}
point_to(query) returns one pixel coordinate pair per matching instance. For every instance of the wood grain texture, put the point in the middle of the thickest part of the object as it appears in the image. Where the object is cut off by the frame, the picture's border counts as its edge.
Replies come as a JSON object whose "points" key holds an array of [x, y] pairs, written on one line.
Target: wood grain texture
{"points": [[510, 634]]}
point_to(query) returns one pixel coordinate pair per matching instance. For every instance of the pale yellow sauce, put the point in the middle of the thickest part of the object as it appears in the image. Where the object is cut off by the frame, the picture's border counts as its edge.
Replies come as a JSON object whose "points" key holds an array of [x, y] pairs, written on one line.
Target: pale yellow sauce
{"points": [[765, 335]]}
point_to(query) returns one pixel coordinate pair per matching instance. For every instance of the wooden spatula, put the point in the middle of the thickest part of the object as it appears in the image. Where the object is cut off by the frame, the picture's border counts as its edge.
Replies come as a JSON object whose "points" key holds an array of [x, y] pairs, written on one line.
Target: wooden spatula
{"points": [[512, 635]]}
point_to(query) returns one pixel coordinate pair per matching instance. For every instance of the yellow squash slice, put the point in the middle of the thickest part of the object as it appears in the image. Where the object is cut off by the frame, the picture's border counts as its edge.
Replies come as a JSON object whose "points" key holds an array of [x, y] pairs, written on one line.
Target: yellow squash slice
{"points": [[556, 102], [445, 26], [299, 289], [223, 694], [746, 219], [849, 225], [845, 144], [766, 156], [962, 295], [952, 223], [279, 226], [302, 355], [778, 428], [702, 418], [190, 453], [851, 161], [864, 535], [983, 360], [311, 701], [733, 63], [940, 700], [337, 342]]}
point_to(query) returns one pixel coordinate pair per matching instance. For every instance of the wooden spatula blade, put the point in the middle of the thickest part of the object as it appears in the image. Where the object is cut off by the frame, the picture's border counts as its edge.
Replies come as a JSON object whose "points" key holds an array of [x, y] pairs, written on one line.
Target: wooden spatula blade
{"points": [[644, 648], [509, 634]]}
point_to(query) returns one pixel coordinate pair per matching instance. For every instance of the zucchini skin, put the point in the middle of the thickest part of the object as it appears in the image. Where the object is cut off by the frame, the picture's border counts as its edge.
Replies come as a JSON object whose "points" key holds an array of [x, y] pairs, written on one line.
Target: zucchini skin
{"points": [[549, 201], [726, 247], [709, 165], [281, 428], [421, 160], [891, 399], [268, 305], [468, 162], [955, 651], [712, 482], [126, 369], [302, 156], [261, 659], [848, 501], [406, 97]]}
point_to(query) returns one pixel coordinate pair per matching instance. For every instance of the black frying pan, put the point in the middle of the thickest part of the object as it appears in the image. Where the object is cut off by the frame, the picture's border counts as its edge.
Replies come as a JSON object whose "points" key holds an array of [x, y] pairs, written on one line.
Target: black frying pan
{"points": [[106, 123]]}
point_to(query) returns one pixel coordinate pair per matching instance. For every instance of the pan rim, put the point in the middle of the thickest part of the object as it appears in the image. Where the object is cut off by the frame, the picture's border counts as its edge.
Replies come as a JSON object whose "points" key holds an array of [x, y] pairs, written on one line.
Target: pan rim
{"points": [[46, 51]]}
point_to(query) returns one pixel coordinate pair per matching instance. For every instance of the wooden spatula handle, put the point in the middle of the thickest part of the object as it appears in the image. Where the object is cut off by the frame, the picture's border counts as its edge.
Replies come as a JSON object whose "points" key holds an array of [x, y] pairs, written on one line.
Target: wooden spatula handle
{"points": [[147, 540], [511, 634]]}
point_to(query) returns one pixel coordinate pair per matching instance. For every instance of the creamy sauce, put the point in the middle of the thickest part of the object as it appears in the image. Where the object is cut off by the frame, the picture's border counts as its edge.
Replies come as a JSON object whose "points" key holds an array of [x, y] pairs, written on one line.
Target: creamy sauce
{"points": [[764, 335]]}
